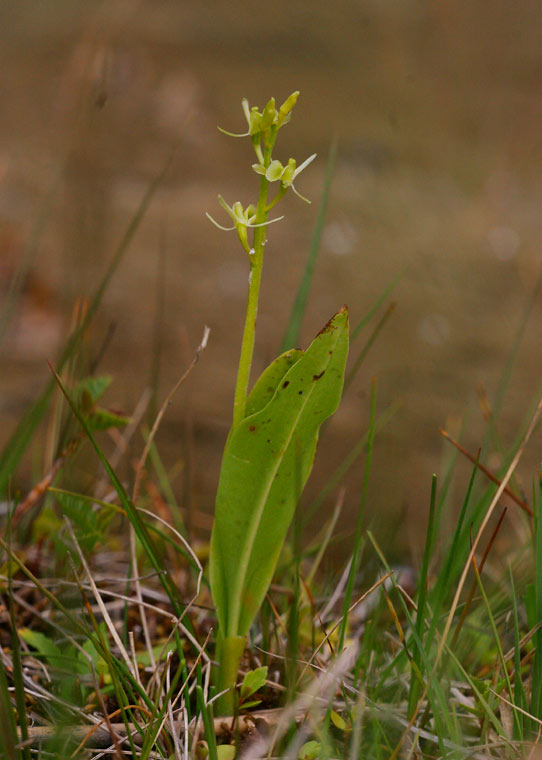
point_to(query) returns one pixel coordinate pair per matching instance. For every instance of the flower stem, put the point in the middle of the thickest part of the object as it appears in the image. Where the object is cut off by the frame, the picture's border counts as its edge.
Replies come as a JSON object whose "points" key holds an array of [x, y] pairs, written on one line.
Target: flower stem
{"points": [[254, 281]]}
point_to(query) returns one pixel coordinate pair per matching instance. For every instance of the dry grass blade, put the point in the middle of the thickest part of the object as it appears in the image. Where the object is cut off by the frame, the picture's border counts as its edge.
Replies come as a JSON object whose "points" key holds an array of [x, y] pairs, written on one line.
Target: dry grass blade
{"points": [[106, 721], [163, 408], [327, 537], [103, 608], [516, 707], [139, 473], [37, 492], [523, 504], [186, 545], [474, 584]]}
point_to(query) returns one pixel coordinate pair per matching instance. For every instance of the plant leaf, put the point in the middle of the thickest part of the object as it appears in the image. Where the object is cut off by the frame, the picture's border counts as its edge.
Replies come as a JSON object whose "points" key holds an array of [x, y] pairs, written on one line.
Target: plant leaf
{"points": [[338, 721], [266, 385], [253, 681], [225, 752], [44, 645], [105, 419], [95, 386], [248, 705], [84, 518], [266, 462], [310, 750]]}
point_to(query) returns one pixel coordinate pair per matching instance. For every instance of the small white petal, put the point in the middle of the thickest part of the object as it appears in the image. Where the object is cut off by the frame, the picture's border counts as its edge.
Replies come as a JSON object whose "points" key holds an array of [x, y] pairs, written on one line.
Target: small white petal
{"points": [[216, 224], [304, 164]]}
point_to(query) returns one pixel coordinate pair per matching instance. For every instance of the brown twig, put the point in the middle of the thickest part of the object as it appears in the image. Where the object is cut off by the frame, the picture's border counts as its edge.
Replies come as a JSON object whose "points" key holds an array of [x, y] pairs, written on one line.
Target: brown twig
{"points": [[37, 492], [100, 736], [480, 567], [487, 473]]}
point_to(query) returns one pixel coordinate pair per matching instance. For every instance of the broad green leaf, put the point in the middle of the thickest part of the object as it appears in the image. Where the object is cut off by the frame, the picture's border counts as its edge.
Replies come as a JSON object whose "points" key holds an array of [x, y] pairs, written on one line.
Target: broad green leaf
{"points": [[104, 419], [86, 394], [44, 645], [84, 518], [339, 722], [159, 651], [310, 750], [266, 462], [266, 385], [248, 705], [253, 681], [225, 752], [95, 386]]}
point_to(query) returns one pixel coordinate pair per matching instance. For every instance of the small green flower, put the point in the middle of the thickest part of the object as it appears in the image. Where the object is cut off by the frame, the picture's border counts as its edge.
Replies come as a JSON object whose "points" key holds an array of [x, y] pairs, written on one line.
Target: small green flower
{"points": [[261, 122], [286, 108], [257, 121], [242, 220], [285, 174]]}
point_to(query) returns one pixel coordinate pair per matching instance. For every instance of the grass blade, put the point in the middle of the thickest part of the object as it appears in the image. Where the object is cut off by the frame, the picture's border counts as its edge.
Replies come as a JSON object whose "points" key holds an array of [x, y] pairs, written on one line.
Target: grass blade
{"points": [[356, 554], [422, 597], [388, 290], [291, 336], [536, 697]]}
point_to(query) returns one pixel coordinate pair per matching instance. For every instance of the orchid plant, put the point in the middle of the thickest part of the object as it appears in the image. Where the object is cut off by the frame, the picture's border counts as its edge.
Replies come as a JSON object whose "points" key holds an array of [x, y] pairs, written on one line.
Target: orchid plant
{"points": [[272, 442]]}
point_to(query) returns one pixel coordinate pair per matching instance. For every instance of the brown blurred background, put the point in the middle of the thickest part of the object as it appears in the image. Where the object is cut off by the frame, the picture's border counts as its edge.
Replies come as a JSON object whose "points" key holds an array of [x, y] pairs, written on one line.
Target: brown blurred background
{"points": [[437, 110]]}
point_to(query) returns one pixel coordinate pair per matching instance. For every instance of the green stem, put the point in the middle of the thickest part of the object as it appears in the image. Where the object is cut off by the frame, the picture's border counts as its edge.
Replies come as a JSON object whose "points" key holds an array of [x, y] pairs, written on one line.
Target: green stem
{"points": [[229, 652], [254, 281]]}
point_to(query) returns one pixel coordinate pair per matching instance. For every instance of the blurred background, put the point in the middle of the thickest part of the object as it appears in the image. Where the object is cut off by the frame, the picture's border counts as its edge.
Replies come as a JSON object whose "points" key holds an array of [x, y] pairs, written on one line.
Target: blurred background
{"points": [[436, 108]]}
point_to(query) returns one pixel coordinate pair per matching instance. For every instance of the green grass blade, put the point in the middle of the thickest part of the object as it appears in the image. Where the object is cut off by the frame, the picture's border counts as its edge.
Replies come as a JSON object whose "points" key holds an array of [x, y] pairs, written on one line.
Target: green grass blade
{"points": [[8, 729], [291, 336], [356, 552], [388, 290], [130, 509], [158, 712], [157, 329], [453, 563], [293, 644], [139, 527], [491, 433], [367, 347], [445, 724], [345, 465], [20, 700], [208, 724], [536, 696], [520, 698], [422, 599], [497, 639], [164, 483]]}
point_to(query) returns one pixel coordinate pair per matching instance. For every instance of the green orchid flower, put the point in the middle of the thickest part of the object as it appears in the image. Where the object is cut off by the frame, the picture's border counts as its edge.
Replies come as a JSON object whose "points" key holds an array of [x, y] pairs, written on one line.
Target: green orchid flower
{"points": [[242, 220], [285, 174], [263, 125]]}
